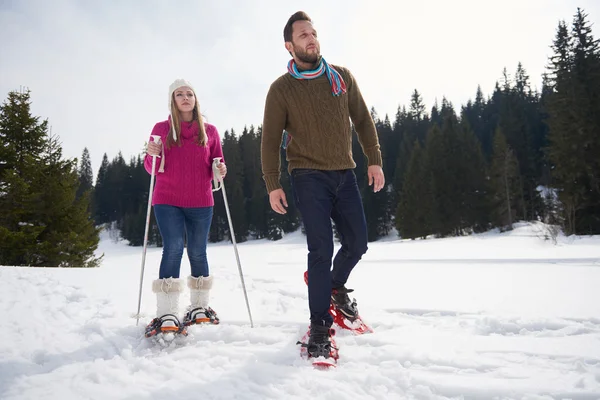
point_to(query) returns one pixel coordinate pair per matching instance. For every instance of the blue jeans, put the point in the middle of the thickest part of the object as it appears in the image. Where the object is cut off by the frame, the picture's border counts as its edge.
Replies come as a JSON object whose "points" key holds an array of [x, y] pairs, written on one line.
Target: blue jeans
{"points": [[322, 196], [173, 222]]}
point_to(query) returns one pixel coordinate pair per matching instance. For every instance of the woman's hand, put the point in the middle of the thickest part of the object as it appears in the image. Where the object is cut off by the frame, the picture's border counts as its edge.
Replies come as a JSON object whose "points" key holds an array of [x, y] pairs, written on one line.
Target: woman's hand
{"points": [[222, 169], [154, 149]]}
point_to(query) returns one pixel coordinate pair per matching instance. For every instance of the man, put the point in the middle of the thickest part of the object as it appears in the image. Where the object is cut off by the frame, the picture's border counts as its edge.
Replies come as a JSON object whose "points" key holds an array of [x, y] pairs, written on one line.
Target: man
{"points": [[313, 103]]}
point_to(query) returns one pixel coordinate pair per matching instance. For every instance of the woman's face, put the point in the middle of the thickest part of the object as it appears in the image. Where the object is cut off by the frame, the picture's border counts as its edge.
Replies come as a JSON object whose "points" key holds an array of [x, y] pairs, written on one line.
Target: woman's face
{"points": [[184, 99]]}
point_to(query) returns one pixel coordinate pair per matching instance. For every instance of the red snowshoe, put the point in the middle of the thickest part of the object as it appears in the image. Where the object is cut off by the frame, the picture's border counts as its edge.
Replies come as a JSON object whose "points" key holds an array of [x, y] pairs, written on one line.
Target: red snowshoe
{"points": [[345, 313], [321, 349]]}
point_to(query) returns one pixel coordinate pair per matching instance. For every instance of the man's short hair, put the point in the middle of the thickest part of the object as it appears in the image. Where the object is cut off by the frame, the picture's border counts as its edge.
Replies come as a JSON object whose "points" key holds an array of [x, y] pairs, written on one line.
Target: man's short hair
{"points": [[297, 16]]}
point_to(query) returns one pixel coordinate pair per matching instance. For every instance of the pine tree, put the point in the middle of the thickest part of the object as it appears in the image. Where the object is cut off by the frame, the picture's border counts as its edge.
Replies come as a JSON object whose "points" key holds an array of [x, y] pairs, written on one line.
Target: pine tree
{"points": [[586, 73], [21, 144], [41, 221], [471, 172], [476, 113], [377, 206], [389, 148], [405, 139], [504, 183], [233, 186], [266, 225], [86, 178], [418, 117], [21, 134], [573, 108], [69, 238], [436, 117], [490, 118], [409, 126], [253, 185], [117, 192], [519, 120], [135, 197], [101, 201], [541, 143], [442, 147], [415, 212], [18, 230], [219, 226]]}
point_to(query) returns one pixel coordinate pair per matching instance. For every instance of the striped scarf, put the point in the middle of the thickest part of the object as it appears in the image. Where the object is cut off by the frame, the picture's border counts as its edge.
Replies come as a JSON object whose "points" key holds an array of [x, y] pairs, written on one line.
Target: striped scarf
{"points": [[338, 86]]}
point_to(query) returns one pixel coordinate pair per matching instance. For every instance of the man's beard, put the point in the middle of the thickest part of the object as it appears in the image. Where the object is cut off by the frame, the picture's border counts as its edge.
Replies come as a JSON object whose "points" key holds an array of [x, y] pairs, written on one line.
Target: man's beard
{"points": [[305, 57]]}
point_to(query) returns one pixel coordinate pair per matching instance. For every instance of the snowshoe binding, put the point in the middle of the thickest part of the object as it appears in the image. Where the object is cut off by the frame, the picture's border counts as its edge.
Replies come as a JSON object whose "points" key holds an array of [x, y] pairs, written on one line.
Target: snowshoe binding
{"points": [[345, 312], [319, 346], [201, 315], [166, 324], [341, 302]]}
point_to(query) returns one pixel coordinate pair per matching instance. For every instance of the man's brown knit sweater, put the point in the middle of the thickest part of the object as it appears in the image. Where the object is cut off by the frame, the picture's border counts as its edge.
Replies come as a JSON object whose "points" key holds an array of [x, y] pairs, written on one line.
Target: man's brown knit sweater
{"points": [[319, 125]]}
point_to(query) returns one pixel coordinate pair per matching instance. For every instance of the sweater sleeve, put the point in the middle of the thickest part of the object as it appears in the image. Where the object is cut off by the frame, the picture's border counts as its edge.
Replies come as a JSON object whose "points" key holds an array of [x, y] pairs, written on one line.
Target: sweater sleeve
{"points": [[216, 150], [361, 118], [274, 123], [159, 129]]}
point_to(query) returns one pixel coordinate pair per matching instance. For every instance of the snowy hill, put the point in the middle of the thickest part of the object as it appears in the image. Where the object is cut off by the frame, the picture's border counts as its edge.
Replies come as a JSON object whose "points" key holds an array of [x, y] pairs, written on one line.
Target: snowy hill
{"points": [[490, 316]]}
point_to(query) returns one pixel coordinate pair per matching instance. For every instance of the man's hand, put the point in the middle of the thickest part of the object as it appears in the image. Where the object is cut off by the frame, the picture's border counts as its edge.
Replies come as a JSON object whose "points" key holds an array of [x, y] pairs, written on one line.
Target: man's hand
{"points": [[376, 177], [278, 201]]}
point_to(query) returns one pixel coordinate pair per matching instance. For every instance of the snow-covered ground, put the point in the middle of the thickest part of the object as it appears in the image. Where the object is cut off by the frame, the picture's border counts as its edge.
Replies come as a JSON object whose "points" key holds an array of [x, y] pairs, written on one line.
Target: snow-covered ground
{"points": [[490, 316]]}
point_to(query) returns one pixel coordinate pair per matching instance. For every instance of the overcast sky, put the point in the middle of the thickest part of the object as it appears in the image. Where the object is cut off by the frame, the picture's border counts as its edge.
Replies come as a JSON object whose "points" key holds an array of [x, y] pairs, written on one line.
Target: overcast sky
{"points": [[100, 70]]}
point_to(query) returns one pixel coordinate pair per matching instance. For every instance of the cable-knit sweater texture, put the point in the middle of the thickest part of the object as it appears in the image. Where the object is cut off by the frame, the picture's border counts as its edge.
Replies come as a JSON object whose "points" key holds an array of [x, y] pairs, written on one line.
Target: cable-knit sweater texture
{"points": [[186, 180], [319, 125]]}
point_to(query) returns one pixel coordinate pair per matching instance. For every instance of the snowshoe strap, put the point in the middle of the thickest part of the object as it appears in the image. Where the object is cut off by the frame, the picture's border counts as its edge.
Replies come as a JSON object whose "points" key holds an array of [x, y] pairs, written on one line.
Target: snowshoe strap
{"points": [[342, 290], [168, 317], [156, 324]]}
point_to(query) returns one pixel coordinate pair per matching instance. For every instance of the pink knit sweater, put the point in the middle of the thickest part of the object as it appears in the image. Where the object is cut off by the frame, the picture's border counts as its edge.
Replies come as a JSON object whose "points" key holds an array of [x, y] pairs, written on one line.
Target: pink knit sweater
{"points": [[186, 180]]}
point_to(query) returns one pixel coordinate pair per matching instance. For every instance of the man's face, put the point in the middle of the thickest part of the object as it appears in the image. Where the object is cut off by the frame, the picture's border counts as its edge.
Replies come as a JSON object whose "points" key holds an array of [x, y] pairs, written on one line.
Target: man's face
{"points": [[304, 46]]}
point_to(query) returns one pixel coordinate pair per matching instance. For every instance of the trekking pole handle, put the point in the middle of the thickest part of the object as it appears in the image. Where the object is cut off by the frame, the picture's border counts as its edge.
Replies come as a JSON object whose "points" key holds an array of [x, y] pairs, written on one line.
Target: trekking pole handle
{"points": [[156, 139]]}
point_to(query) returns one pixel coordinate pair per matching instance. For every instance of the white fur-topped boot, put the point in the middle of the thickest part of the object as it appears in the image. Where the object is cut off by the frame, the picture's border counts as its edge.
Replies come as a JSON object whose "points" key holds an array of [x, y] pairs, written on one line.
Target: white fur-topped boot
{"points": [[198, 311], [167, 320]]}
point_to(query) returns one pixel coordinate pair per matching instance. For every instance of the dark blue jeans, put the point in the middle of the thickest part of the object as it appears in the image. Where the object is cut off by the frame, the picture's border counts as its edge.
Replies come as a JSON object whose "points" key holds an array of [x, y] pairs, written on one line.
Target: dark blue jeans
{"points": [[322, 196], [174, 223]]}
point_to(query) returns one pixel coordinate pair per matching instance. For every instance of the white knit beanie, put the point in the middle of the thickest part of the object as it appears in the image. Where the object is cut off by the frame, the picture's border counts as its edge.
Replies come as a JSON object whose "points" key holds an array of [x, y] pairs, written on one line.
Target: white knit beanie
{"points": [[172, 88]]}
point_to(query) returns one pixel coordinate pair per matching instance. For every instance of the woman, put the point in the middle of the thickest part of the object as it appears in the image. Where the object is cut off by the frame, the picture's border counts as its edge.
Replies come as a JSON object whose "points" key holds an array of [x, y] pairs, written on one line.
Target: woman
{"points": [[183, 202]]}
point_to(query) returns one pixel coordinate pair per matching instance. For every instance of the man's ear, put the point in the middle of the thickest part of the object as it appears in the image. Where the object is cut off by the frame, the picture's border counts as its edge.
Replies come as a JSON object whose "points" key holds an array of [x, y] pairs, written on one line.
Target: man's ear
{"points": [[289, 47]]}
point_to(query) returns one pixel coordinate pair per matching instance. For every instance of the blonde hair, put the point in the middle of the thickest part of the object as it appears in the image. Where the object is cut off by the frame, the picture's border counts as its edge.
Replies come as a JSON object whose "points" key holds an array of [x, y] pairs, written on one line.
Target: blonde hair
{"points": [[201, 139]]}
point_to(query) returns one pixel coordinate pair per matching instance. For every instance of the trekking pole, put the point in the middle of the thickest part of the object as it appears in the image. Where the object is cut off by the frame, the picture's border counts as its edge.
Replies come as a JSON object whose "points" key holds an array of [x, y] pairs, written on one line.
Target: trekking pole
{"points": [[156, 139], [218, 181]]}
